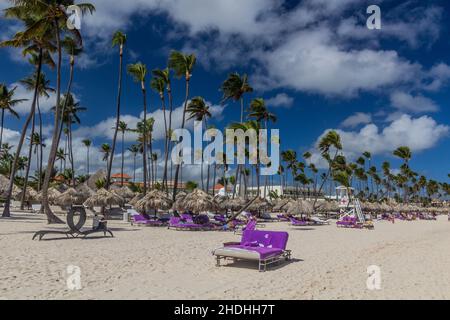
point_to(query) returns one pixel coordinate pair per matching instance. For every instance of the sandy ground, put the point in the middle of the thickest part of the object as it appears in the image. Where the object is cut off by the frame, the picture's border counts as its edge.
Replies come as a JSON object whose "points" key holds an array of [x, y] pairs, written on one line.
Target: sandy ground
{"points": [[149, 263]]}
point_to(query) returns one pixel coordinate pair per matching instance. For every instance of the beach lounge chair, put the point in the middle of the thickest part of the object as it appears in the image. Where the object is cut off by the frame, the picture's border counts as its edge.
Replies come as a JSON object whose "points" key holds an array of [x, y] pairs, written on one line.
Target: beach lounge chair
{"points": [[250, 226], [76, 229], [299, 223], [318, 221], [266, 247], [349, 222], [178, 224], [143, 221]]}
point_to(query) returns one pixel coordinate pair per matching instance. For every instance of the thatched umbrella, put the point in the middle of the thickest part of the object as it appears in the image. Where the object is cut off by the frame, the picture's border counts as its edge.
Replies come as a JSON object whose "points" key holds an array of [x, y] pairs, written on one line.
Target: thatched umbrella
{"points": [[329, 206], [125, 193], [4, 185], [235, 204], [30, 195], [136, 198], [198, 201], [259, 204], [70, 197], [280, 204], [85, 190], [154, 200], [52, 195], [104, 198]]}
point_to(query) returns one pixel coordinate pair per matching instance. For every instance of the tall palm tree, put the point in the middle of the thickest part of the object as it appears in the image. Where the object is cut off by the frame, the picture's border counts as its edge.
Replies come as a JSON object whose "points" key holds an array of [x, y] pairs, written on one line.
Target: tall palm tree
{"points": [[122, 128], [261, 113], [7, 103], [87, 143], [60, 156], [106, 150], [235, 87], [44, 90], [405, 154], [139, 71], [164, 76], [134, 149], [119, 39], [198, 109], [182, 65]]}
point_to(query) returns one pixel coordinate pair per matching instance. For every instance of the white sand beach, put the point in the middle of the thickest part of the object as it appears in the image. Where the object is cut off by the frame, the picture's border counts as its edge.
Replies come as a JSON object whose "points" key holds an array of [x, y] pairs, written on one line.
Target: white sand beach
{"points": [[156, 263]]}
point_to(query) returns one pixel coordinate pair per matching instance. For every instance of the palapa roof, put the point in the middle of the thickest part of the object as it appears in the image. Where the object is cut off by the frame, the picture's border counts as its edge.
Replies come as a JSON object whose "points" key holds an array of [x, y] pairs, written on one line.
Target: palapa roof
{"points": [[235, 204], [154, 200], [71, 197], [259, 204], [299, 207], [53, 193], [124, 192], [104, 198], [198, 201]]}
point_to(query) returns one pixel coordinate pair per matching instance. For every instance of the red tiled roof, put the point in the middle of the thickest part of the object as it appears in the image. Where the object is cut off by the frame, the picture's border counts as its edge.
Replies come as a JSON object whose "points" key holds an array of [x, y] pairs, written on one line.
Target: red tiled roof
{"points": [[119, 176]]}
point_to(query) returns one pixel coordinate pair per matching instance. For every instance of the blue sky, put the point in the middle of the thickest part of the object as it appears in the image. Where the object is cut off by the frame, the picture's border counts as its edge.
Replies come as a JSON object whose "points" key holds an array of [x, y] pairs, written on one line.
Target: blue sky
{"points": [[314, 61]]}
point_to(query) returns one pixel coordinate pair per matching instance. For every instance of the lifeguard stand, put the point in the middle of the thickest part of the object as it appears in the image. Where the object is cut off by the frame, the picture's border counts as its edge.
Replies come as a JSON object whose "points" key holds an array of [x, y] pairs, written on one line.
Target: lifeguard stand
{"points": [[349, 205]]}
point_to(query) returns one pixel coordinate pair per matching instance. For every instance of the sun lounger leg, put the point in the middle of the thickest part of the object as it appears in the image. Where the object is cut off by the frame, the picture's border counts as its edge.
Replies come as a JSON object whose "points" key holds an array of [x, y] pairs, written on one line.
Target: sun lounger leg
{"points": [[217, 261]]}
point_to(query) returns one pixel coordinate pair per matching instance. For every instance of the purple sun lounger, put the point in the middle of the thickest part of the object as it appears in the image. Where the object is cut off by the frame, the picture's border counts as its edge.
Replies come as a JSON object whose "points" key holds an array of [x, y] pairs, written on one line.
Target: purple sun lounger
{"points": [[141, 220], [250, 226], [177, 224], [299, 223], [266, 247], [349, 222]]}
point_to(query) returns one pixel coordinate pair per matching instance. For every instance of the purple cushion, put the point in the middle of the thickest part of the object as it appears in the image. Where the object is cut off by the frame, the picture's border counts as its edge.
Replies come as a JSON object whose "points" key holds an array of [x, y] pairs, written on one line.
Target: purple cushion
{"points": [[264, 253]]}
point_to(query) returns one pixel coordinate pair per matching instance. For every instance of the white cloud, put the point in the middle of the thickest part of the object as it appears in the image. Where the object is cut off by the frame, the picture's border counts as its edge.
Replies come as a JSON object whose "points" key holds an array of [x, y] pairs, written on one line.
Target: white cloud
{"points": [[356, 120], [281, 100], [408, 103], [417, 133], [24, 108]]}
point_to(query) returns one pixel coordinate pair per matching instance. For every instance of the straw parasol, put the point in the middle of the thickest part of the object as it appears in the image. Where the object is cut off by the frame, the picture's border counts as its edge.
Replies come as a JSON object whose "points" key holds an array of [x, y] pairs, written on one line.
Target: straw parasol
{"points": [[136, 198], [52, 195], [125, 193], [280, 204], [235, 204], [4, 185], [198, 201], [70, 197], [329, 206], [85, 190], [259, 205], [154, 200], [104, 198]]}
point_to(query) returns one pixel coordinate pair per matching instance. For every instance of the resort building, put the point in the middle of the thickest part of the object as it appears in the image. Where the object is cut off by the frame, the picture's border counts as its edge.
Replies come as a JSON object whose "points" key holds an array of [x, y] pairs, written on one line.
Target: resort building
{"points": [[116, 179], [282, 191]]}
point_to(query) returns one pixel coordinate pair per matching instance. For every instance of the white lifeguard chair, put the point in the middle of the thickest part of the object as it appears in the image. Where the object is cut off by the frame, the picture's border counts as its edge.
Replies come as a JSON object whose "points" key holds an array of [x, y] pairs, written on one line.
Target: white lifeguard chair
{"points": [[349, 205]]}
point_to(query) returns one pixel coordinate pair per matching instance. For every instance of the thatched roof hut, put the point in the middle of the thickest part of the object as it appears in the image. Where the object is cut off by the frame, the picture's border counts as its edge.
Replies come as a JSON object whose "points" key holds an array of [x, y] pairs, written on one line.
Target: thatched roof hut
{"points": [[104, 198], [235, 204], [136, 198], [53, 193], [198, 201], [300, 207], [71, 197], [4, 185], [85, 190], [279, 204], [154, 200]]}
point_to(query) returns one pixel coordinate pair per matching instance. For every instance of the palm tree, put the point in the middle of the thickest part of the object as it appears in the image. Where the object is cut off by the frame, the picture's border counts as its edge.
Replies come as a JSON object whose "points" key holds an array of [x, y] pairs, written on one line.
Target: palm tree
{"points": [[198, 109], [119, 39], [44, 90], [235, 87], [134, 149], [7, 103], [87, 143], [182, 65], [164, 77], [60, 156], [122, 127], [106, 150], [405, 154], [261, 113], [139, 71]]}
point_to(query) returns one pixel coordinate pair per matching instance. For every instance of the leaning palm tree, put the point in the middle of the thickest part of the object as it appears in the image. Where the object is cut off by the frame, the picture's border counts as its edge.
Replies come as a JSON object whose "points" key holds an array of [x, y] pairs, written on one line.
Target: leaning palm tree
{"points": [[119, 39], [139, 71], [87, 143], [7, 103], [182, 65], [164, 77], [199, 110], [122, 128]]}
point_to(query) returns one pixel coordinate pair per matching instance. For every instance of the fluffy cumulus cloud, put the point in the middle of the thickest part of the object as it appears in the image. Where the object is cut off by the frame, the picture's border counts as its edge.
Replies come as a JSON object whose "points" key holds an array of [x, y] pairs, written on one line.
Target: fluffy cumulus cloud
{"points": [[409, 103], [281, 100], [418, 133], [23, 108], [356, 120]]}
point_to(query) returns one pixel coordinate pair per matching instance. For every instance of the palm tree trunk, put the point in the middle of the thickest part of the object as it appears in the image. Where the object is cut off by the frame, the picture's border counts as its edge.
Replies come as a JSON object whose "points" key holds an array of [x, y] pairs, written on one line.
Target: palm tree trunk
{"points": [[123, 155], [27, 171], [144, 143], [134, 168], [6, 210], [41, 147], [1, 130], [169, 147], [72, 165], [214, 179], [177, 170], [113, 148], [51, 218], [87, 158], [166, 141]]}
